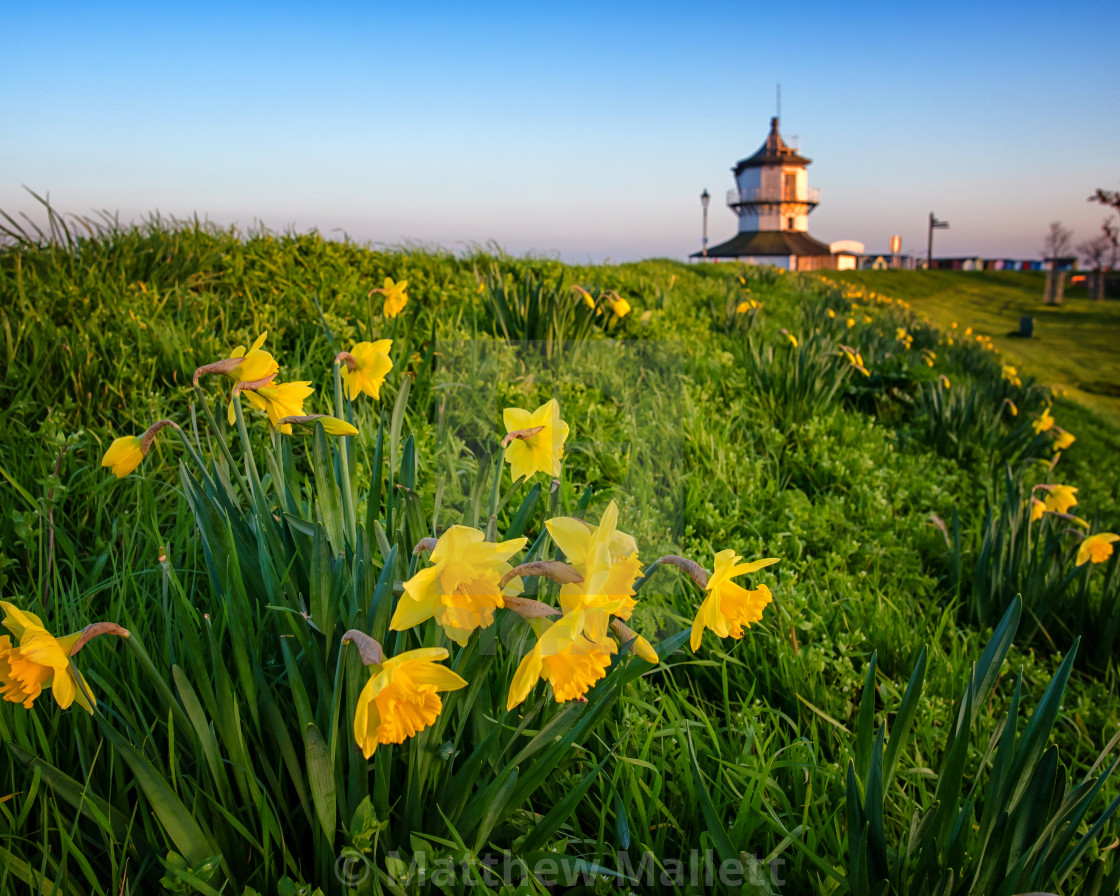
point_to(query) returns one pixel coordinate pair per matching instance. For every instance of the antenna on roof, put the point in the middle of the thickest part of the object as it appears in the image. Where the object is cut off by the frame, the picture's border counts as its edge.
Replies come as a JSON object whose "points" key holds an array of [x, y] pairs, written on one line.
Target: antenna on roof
{"points": [[779, 111]]}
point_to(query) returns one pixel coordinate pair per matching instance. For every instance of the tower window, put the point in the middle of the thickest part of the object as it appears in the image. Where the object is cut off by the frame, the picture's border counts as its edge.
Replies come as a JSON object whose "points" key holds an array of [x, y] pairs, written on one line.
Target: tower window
{"points": [[789, 223]]}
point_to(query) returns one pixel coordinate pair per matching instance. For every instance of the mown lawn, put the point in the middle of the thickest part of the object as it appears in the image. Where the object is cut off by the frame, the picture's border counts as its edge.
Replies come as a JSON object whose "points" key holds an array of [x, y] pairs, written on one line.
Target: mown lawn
{"points": [[862, 731], [1074, 346]]}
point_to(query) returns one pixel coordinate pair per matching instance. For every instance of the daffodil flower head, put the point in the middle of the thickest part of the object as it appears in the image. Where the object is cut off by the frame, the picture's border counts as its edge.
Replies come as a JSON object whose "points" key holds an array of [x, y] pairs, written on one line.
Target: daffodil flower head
{"points": [[460, 590], [1043, 422], [728, 607], [402, 698], [1037, 509], [536, 440], [126, 452], [396, 296], [256, 364], [124, 455], [607, 561], [1060, 498], [566, 658], [1062, 438], [1096, 548], [366, 366], [39, 660], [332, 426], [278, 400]]}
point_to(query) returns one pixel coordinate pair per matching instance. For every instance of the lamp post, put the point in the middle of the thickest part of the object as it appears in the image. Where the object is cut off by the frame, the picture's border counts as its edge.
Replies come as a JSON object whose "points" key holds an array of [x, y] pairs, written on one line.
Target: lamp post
{"points": [[705, 198], [934, 224]]}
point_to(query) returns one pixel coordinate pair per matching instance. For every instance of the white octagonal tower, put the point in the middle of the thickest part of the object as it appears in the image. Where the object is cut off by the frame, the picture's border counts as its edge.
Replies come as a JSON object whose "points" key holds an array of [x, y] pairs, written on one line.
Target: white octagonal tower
{"points": [[772, 199]]}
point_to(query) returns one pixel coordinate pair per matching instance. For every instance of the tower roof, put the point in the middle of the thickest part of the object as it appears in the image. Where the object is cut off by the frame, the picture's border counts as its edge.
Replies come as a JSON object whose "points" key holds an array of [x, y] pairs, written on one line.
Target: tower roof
{"points": [[762, 243], [775, 151]]}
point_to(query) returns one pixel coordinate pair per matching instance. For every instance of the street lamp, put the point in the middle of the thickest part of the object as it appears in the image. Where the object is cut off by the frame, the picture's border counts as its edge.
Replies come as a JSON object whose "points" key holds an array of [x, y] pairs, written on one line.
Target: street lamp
{"points": [[705, 198], [934, 224]]}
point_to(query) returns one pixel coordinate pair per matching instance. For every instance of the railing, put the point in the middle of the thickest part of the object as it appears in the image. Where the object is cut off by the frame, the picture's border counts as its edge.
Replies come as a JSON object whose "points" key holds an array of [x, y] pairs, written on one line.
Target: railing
{"points": [[760, 194]]}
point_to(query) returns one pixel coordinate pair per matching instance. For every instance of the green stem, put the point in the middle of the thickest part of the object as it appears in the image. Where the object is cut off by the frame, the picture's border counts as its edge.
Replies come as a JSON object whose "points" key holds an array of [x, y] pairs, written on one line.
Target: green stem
{"points": [[348, 497], [250, 461], [492, 517], [336, 703], [159, 681], [217, 434]]}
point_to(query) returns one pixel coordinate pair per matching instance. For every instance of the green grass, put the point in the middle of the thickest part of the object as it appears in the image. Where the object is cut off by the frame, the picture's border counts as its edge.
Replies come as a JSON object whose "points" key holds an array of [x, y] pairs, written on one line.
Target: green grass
{"points": [[1074, 344], [707, 427]]}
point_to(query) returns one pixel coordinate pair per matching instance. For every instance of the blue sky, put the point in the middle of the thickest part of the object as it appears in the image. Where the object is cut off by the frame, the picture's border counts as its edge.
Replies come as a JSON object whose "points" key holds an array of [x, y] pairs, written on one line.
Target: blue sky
{"points": [[581, 130]]}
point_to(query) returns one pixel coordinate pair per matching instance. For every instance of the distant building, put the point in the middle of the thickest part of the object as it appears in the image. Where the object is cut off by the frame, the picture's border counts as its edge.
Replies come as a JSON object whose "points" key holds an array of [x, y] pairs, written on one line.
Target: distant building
{"points": [[773, 200]]}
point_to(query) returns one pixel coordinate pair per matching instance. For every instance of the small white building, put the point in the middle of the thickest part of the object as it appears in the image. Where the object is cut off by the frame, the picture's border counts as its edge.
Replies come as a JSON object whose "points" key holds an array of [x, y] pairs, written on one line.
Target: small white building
{"points": [[773, 200]]}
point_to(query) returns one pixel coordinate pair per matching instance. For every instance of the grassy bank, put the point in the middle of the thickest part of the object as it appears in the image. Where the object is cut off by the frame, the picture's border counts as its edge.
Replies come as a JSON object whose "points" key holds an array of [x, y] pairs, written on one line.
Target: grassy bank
{"points": [[889, 469]]}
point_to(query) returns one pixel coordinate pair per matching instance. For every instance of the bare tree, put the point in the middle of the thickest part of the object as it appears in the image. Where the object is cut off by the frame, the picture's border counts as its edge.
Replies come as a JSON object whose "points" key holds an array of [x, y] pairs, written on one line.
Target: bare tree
{"points": [[1057, 245], [1096, 252], [1111, 232], [1111, 198]]}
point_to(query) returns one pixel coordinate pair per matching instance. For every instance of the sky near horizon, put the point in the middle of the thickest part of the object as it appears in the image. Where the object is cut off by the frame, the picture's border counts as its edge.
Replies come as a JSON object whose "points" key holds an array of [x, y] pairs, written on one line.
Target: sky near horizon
{"points": [[581, 130]]}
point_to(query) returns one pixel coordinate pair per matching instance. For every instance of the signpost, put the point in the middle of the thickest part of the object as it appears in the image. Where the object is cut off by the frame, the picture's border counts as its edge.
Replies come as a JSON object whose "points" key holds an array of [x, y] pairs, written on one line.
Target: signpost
{"points": [[934, 224]]}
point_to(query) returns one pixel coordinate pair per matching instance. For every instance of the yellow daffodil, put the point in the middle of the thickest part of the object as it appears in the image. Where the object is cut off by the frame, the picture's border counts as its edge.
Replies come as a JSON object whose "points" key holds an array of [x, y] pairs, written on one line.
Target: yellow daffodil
{"points": [[460, 589], [619, 306], [1011, 406], [278, 400], [607, 560], [855, 359], [1062, 438], [256, 364], [402, 698], [332, 426], [728, 606], [38, 661], [1096, 548], [1060, 498], [1011, 374], [126, 452], [124, 455], [536, 440], [566, 658], [396, 296], [792, 339], [944, 380], [747, 305], [366, 367], [588, 300], [1037, 509]]}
